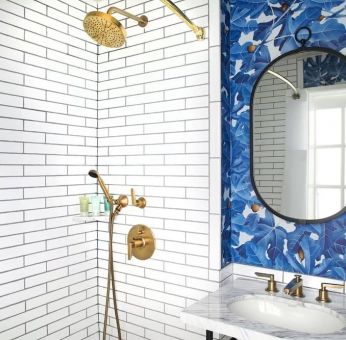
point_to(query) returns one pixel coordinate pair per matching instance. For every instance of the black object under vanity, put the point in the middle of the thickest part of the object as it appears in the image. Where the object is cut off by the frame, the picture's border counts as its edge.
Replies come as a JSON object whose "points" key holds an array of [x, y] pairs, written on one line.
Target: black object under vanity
{"points": [[209, 336]]}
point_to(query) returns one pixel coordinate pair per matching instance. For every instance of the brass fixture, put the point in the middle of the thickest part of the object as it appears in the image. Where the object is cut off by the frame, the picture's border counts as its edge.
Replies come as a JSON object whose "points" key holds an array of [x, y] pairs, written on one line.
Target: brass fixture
{"points": [[140, 202], [271, 288], [141, 242], [106, 30], [122, 199], [295, 287], [115, 207], [323, 292], [199, 31], [295, 94]]}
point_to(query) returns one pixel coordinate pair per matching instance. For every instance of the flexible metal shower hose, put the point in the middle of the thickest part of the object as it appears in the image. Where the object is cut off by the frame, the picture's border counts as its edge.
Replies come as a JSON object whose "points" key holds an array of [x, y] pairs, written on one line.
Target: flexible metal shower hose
{"points": [[111, 276]]}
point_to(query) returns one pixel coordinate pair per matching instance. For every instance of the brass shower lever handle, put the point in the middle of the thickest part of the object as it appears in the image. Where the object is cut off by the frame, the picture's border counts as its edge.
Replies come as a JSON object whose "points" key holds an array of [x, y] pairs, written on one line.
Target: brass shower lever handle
{"points": [[140, 202], [140, 242], [136, 243]]}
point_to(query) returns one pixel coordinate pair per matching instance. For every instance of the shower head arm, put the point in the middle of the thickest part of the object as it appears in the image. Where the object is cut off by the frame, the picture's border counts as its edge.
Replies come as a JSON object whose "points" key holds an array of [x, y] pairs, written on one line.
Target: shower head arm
{"points": [[142, 20], [199, 31], [296, 94]]}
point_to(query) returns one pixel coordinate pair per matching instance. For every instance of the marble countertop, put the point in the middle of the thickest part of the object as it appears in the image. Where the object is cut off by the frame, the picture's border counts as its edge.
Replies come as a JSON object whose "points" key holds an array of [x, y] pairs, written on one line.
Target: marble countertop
{"points": [[212, 313]]}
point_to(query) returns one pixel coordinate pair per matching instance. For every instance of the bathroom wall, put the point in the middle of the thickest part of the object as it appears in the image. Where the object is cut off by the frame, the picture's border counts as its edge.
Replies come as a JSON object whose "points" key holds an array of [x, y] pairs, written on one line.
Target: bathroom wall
{"points": [[159, 132], [48, 110], [259, 35], [269, 136]]}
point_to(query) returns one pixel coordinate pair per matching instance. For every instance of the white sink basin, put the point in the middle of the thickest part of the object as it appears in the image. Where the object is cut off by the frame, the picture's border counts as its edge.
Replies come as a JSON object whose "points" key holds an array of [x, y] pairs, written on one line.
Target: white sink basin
{"points": [[290, 314]]}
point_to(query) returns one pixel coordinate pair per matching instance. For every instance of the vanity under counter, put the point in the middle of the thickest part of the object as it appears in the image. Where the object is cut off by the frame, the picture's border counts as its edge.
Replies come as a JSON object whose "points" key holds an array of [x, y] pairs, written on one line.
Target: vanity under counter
{"points": [[219, 312]]}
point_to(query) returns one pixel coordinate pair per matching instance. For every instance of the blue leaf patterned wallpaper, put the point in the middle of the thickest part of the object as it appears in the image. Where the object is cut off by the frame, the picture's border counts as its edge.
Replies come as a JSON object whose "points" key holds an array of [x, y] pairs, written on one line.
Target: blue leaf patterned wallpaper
{"points": [[323, 70], [255, 32]]}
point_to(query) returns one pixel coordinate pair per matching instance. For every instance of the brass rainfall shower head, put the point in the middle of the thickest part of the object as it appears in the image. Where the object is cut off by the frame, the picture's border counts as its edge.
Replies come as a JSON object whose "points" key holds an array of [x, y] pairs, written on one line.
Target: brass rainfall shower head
{"points": [[106, 30]]}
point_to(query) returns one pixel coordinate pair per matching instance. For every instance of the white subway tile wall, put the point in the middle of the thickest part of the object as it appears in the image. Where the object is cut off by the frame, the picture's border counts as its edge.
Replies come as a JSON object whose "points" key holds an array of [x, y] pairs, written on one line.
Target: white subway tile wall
{"points": [[48, 141], [148, 115], [159, 132], [270, 133]]}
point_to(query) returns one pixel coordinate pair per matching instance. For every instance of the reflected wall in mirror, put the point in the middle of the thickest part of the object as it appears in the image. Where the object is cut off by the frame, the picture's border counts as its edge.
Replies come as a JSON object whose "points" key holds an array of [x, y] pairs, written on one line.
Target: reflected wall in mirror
{"points": [[299, 135]]}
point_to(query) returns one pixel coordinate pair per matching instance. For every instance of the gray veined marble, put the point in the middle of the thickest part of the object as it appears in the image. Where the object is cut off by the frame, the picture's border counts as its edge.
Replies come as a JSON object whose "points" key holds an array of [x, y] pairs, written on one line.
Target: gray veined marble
{"points": [[215, 313]]}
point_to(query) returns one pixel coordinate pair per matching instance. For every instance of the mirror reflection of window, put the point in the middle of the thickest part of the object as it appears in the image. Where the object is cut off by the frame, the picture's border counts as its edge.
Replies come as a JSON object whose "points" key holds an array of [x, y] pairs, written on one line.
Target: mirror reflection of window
{"points": [[327, 130]]}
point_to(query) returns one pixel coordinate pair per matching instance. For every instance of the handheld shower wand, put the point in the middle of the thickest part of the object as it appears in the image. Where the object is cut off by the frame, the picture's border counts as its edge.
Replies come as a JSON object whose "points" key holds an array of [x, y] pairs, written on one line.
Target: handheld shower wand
{"points": [[116, 205], [122, 200], [95, 174]]}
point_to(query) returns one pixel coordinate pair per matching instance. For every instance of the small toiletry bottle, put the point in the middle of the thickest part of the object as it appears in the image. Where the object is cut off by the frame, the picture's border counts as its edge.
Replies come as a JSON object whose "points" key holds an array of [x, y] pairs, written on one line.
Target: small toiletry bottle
{"points": [[95, 202], [84, 205], [106, 204], [102, 205]]}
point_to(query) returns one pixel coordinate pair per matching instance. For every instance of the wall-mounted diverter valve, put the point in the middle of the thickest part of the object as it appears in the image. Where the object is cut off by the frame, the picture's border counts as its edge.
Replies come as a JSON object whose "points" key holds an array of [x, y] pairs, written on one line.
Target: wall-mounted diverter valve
{"points": [[140, 202], [108, 31], [141, 242]]}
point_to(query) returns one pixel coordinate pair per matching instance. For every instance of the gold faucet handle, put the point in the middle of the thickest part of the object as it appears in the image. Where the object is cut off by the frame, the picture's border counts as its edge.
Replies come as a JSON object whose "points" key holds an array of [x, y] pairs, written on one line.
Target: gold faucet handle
{"points": [[140, 202], [326, 285], [271, 288], [135, 243], [140, 242], [323, 292]]}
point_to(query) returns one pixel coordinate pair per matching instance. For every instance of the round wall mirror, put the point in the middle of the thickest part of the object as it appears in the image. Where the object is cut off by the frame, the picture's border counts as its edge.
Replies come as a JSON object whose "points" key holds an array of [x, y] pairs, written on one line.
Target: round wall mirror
{"points": [[298, 139]]}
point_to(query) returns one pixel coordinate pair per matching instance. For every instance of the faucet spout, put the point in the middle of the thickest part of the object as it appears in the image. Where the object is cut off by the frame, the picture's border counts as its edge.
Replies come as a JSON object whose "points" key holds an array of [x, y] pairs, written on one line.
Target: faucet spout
{"points": [[295, 287]]}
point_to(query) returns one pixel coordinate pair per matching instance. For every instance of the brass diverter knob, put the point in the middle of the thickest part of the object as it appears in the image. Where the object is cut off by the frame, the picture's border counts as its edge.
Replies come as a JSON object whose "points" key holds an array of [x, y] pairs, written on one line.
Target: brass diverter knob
{"points": [[323, 292], [140, 202], [141, 242], [271, 288]]}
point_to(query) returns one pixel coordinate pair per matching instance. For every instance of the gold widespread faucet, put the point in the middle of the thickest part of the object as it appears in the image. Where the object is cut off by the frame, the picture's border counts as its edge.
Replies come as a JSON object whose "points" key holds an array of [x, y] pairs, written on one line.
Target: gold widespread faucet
{"points": [[271, 288], [323, 292], [295, 287]]}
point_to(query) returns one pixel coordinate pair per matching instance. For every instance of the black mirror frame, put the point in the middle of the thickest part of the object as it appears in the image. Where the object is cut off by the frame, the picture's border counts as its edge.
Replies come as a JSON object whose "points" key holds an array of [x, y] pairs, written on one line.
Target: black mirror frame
{"points": [[266, 205]]}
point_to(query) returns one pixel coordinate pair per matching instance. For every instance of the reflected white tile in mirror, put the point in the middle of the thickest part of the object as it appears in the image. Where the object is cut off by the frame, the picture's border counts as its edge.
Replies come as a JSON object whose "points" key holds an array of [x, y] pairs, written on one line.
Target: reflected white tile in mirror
{"points": [[298, 145]]}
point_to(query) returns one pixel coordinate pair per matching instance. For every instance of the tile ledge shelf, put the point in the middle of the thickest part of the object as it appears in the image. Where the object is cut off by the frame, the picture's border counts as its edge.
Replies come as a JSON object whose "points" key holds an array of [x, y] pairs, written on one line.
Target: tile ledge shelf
{"points": [[86, 219]]}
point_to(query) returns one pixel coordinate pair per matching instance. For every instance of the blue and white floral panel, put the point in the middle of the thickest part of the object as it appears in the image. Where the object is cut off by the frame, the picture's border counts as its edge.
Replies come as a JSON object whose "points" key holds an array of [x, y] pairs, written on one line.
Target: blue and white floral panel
{"points": [[267, 28], [323, 70]]}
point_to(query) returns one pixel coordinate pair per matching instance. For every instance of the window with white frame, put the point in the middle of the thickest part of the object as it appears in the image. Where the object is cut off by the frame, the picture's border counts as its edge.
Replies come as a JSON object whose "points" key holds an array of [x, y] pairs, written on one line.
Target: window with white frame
{"points": [[327, 145]]}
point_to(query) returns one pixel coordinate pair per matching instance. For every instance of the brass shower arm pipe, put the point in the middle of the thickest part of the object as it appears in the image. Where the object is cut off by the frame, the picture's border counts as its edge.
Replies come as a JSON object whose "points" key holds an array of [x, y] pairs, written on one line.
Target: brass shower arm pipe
{"points": [[296, 94], [142, 20], [199, 31]]}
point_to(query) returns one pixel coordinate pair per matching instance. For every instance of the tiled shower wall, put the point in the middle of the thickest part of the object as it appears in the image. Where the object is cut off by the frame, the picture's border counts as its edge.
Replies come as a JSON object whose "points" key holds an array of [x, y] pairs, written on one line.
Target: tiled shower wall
{"points": [[48, 110], [270, 131], [159, 115]]}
